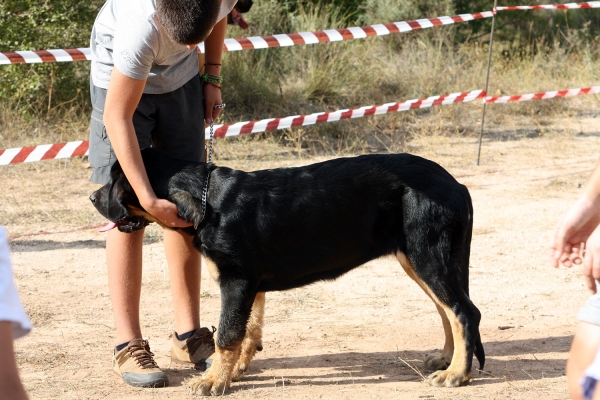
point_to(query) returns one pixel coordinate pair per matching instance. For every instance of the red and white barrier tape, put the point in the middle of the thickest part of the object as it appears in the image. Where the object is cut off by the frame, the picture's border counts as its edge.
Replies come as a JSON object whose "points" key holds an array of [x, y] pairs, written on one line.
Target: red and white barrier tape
{"points": [[43, 152], [45, 56], [80, 148], [545, 95], [589, 4], [271, 124], [337, 35], [261, 42]]}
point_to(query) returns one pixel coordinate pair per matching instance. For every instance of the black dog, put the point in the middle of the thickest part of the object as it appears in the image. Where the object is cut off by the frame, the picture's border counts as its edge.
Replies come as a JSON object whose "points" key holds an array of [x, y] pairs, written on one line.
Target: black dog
{"points": [[283, 228]]}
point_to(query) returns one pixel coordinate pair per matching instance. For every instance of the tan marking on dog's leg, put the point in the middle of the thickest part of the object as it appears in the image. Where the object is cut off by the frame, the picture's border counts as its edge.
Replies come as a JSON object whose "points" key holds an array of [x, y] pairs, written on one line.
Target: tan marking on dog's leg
{"points": [[455, 348], [456, 374], [217, 380], [253, 339], [437, 361], [212, 268]]}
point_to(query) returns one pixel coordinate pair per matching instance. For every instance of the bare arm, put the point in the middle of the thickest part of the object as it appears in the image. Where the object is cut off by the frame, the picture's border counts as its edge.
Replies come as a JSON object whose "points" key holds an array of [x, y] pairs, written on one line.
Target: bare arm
{"points": [[213, 46], [122, 99], [10, 383]]}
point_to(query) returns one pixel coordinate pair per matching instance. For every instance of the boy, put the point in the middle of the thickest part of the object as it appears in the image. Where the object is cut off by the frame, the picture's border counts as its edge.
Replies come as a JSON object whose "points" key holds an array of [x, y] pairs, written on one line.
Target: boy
{"points": [[146, 91]]}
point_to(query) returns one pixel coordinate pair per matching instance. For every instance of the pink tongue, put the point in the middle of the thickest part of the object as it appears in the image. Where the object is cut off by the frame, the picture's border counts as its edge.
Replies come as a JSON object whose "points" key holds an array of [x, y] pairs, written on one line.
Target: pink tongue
{"points": [[242, 23], [108, 227]]}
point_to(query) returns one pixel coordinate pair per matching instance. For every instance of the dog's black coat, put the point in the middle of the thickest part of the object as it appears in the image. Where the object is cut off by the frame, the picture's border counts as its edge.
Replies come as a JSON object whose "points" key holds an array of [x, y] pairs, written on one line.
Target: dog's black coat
{"points": [[283, 228]]}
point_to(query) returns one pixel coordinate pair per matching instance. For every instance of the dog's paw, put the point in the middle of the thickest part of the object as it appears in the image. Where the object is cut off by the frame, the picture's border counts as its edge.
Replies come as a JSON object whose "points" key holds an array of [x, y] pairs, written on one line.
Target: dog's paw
{"points": [[436, 362], [448, 379], [208, 387]]}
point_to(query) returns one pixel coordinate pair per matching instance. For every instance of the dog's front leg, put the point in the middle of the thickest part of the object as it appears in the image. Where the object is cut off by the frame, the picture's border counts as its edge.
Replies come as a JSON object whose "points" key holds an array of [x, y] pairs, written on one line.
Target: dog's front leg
{"points": [[236, 304], [218, 378], [253, 339]]}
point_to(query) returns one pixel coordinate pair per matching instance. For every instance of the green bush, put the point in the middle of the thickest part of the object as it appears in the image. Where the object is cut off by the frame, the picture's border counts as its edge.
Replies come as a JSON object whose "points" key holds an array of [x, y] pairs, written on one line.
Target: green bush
{"points": [[40, 25]]}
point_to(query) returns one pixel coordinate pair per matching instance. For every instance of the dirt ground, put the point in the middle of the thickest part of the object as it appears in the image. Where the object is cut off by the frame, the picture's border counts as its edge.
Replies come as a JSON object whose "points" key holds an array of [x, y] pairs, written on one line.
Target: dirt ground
{"points": [[363, 336]]}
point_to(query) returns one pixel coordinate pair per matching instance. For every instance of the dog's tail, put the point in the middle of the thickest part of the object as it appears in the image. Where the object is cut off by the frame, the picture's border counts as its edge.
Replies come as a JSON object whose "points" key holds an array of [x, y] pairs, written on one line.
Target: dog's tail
{"points": [[479, 352]]}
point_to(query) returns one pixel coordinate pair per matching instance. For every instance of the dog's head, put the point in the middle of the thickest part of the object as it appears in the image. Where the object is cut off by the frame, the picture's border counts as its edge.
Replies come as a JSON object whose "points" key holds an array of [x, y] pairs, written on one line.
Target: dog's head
{"points": [[179, 181], [117, 202]]}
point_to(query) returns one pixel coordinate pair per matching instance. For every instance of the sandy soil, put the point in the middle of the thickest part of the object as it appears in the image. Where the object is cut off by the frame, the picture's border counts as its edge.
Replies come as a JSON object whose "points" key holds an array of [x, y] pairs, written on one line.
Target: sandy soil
{"points": [[361, 337]]}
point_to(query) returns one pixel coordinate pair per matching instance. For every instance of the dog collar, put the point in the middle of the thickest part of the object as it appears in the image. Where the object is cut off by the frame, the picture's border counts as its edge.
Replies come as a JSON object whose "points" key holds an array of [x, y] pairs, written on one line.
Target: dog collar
{"points": [[204, 195]]}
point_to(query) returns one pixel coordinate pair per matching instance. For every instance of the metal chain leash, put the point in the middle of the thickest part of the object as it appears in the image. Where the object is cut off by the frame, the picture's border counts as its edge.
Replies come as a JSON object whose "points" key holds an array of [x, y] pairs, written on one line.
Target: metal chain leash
{"points": [[210, 154]]}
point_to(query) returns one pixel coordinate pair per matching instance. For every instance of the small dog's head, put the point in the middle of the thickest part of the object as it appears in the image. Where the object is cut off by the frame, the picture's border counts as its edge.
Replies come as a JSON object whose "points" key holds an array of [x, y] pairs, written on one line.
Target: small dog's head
{"points": [[179, 181], [117, 202]]}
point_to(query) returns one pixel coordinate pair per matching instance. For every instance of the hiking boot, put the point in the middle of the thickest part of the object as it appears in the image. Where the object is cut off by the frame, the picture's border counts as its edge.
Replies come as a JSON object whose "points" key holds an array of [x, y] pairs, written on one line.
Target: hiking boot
{"points": [[194, 351], [135, 364]]}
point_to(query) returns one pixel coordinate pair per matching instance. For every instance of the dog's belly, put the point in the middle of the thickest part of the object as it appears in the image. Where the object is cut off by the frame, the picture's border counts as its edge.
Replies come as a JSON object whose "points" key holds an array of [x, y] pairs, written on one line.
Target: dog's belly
{"points": [[306, 275]]}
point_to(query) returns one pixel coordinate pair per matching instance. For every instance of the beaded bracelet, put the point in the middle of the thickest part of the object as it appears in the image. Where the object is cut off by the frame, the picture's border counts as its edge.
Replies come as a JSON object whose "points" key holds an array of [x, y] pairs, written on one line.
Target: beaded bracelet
{"points": [[211, 78]]}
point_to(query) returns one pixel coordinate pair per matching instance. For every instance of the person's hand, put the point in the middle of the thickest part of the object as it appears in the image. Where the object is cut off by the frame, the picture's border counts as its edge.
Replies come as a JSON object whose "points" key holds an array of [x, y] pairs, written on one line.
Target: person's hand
{"points": [[591, 260], [572, 231], [212, 97], [166, 212]]}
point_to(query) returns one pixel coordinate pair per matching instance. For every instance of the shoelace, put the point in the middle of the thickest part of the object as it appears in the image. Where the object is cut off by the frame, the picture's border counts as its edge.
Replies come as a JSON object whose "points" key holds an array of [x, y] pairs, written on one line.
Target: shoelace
{"points": [[202, 336], [142, 355]]}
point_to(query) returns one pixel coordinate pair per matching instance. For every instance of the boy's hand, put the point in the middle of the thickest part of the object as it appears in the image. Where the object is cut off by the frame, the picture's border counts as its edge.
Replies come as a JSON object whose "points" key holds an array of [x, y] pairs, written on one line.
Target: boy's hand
{"points": [[212, 96], [166, 212]]}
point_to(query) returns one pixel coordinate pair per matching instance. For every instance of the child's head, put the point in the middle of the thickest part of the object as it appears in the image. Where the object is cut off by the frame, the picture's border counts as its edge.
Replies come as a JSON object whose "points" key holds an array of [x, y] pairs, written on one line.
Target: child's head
{"points": [[188, 22]]}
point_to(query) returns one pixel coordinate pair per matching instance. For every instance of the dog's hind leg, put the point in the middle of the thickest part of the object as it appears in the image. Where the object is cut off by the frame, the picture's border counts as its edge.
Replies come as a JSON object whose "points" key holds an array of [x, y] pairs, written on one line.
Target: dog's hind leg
{"points": [[237, 297], [437, 361], [253, 339], [460, 319]]}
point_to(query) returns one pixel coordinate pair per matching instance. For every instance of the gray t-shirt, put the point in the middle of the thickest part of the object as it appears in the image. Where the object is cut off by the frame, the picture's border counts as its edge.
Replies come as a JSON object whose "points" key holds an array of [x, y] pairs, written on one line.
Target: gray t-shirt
{"points": [[127, 35]]}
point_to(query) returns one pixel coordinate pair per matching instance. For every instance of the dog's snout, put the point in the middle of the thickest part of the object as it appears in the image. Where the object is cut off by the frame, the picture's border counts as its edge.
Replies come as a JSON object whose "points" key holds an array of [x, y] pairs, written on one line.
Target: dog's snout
{"points": [[93, 198]]}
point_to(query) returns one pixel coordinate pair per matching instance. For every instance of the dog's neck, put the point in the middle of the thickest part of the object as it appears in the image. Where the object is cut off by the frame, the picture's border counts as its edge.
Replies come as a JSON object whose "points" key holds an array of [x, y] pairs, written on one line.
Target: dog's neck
{"points": [[205, 193]]}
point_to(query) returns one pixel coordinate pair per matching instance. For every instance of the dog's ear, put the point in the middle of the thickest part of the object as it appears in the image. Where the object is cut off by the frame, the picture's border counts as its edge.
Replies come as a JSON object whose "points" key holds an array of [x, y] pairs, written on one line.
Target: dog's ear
{"points": [[116, 209], [121, 195], [190, 208]]}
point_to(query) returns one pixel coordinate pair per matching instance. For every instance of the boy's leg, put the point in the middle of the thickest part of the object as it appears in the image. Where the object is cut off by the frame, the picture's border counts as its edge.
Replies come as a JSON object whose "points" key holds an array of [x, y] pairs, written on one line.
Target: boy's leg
{"points": [[191, 345], [132, 359], [184, 271], [124, 264]]}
